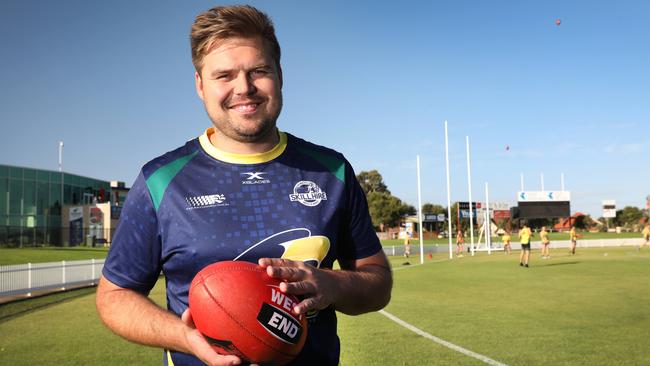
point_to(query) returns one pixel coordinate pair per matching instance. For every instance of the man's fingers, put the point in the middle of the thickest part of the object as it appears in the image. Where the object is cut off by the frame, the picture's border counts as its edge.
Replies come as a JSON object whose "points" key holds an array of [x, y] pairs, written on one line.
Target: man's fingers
{"points": [[298, 288], [186, 317], [277, 262], [285, 273]]}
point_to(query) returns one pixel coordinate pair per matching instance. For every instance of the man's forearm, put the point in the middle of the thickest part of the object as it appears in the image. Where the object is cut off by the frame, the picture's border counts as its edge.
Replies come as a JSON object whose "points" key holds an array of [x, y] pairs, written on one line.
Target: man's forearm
{"points": [[136, 318], [364, 289]]}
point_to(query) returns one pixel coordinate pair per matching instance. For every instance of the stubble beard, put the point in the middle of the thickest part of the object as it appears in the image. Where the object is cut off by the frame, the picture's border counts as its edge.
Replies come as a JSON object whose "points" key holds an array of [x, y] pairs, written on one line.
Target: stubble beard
{"points": [[265, 127]]}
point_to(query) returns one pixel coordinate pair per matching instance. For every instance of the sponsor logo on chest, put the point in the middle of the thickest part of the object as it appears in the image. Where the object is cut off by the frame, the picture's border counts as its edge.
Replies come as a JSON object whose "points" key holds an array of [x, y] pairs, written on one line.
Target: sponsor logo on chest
{"points": [[205, 201], [307, 193]]}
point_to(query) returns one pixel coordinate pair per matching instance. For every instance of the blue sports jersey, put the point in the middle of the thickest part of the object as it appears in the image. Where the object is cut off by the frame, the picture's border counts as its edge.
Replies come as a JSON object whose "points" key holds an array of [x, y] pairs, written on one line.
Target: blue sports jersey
{"points": [[198, 205]]}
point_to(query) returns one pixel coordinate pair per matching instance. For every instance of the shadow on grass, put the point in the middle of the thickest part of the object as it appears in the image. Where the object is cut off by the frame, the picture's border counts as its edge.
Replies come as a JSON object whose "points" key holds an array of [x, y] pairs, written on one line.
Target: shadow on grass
{"points": [[558, 264], [25, 306]]}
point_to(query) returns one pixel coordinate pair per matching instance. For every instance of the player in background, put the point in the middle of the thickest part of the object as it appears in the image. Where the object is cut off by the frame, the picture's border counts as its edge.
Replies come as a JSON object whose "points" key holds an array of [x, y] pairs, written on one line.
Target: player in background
{"points": [[646, 235], [573, 236], [242, 190], [460, 240], [543, 235], [407, 244], [506, 242], [524, 237]]}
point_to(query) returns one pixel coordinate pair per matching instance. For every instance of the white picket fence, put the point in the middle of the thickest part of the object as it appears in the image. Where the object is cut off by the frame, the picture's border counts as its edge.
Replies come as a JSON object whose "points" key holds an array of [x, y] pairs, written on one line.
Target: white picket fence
{"points": [[25, 279]]}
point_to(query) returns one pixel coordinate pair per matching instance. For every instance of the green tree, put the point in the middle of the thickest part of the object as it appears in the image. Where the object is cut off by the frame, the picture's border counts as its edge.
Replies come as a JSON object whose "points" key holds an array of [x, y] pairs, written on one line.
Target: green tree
{"points": [[629, 216], [384, 208], [372, 182], [430, 208]]}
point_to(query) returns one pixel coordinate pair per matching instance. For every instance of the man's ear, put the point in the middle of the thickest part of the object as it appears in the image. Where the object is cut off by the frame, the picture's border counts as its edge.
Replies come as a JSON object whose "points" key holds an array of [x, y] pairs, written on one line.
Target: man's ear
{"points": [[198, 83]]}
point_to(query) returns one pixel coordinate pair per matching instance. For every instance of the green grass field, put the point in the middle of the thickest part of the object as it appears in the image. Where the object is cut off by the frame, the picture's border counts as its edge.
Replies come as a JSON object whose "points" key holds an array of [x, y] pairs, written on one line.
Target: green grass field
{"points": [[587, 309], [49, 254]]}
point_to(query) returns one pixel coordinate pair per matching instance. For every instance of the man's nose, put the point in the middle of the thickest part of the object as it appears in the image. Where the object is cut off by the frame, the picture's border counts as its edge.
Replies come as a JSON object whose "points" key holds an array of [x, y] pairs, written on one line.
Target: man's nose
{"points": [[244, 84]]}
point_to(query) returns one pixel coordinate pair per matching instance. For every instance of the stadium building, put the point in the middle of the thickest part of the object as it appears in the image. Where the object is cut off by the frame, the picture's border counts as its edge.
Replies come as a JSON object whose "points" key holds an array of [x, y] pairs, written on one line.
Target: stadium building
{"points": [[43, 207]]}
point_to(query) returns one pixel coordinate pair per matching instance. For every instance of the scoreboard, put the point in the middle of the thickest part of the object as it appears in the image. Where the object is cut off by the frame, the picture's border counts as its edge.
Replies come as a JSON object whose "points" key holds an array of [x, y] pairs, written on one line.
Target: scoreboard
{"points": [[542, 204]]}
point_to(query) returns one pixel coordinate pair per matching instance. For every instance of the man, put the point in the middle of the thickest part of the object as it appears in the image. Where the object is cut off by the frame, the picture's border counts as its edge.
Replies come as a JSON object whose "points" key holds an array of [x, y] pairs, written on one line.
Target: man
{"points": [[242, 191], [524, 237], [573, 236], [646, 235], [407, 245]]}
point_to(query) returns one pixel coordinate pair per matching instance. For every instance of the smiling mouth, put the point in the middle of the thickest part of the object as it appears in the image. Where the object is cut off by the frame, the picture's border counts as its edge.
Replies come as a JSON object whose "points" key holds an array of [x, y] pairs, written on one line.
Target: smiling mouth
{"points": [[245, 108]]}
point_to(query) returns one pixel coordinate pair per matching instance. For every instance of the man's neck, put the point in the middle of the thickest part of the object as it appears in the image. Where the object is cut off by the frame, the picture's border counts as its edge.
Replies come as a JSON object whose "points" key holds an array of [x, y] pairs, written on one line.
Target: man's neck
{"points": [[226, 144]]}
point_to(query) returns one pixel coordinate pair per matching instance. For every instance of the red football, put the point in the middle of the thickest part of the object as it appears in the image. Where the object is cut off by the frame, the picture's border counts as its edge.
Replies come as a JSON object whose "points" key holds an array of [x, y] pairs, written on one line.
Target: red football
{"points": [[241, 311]]}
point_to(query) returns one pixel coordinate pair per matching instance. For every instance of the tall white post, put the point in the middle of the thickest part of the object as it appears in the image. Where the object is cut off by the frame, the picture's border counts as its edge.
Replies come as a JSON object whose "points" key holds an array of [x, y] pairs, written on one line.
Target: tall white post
{"points": [[488, 224], [61, 171], [451, 252], [61, 155], [469, 189], [420, 213]]}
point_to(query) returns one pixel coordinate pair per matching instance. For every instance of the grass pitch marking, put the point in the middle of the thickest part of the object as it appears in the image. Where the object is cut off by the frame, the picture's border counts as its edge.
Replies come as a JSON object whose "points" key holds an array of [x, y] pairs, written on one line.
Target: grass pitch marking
{"points": [[440, 341]]}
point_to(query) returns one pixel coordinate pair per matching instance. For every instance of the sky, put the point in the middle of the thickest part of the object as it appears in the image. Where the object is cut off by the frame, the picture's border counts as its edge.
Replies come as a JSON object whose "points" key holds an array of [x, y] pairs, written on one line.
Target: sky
{"points": [[372, 80]]}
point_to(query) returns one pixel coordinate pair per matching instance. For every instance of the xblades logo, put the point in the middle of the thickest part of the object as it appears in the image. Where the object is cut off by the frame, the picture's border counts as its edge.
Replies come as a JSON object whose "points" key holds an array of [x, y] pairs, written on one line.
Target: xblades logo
{"points": [[255, 178]]}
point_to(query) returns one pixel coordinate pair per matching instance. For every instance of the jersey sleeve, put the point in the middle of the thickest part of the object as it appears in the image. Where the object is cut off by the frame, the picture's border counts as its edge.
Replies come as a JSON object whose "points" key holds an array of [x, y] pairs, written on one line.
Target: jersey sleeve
{"points": [[133, 260], [361, 239]]}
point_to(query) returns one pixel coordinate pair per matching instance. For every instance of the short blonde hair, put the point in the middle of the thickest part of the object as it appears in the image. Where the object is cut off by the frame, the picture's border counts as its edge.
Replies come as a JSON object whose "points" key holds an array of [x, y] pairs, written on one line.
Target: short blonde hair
{"points": [[223, 22]]}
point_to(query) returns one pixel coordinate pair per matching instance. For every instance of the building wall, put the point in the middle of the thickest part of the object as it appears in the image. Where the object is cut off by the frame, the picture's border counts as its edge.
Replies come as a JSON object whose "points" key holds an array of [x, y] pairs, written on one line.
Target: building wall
{"points": [[31, 201]]}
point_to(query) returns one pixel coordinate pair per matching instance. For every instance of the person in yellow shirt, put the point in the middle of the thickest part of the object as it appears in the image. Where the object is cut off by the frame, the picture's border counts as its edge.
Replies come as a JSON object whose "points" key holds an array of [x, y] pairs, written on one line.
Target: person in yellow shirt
{"points": [[524, 237], [460, 240], [506, 242], [646, 235], [573, 236], [407, 245], [543, 235]]}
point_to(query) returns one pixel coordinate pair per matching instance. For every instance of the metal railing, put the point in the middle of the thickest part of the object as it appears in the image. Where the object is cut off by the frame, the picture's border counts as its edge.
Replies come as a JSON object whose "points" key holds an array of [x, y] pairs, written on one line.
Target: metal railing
{"points": [[26, 279]]}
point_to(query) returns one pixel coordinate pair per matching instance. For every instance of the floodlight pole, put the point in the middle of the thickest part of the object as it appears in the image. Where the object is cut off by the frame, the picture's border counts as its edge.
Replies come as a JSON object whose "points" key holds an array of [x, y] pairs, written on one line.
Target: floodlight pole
{"points": [[451, 255], [469, 188], [420, 213]]}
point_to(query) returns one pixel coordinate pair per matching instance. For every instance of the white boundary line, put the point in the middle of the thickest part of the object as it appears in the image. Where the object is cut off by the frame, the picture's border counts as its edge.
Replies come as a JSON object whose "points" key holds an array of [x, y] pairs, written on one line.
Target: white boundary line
{"points": [[440, 341]]}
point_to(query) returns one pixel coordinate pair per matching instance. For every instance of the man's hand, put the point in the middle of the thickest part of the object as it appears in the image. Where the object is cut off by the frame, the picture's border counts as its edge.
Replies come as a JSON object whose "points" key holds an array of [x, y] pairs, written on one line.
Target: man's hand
{"points": [[201, 348], [135, 317], [361, 286], [317, 287]]}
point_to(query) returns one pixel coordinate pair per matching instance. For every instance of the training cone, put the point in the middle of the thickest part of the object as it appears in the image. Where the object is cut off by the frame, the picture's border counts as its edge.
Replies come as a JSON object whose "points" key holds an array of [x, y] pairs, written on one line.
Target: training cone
{"points": [[430, 256]]}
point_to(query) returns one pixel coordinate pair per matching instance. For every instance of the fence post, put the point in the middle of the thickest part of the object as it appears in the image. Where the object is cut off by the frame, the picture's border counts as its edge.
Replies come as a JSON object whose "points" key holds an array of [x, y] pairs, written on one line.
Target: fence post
{"points": [[393, 250], [63, 275], [92, 261], [29, 279]]}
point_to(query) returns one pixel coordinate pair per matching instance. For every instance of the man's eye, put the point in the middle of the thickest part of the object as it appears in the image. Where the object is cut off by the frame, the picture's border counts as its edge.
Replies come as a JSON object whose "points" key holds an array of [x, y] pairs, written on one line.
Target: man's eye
{"points": [[259, 72]]}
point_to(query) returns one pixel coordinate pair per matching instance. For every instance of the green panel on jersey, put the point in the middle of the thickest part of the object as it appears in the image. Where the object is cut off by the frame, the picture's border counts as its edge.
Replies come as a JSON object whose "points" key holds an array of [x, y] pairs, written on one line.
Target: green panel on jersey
{"points": [[334, 165], [158, 181]]}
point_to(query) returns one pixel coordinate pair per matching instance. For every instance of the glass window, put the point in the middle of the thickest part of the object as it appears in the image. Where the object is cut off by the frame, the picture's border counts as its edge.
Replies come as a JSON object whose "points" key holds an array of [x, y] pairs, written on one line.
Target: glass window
{"points": [[67, 194], [55, 199], [15, 196], [29, 198], [42, 197], [43, 176], [4, 171], [55, 177], [29, 174], [3, 196], [15, 172]]}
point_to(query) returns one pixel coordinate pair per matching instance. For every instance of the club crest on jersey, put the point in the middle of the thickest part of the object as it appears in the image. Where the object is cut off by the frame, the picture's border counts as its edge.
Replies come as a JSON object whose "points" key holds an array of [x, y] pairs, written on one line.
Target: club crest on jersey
{"points": [[205, 201], [255, 178], [307, 193]]}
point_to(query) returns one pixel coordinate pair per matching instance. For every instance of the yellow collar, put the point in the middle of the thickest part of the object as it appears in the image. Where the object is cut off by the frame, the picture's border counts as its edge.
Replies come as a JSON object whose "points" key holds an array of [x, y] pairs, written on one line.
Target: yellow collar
{"points": [[233, 158]]}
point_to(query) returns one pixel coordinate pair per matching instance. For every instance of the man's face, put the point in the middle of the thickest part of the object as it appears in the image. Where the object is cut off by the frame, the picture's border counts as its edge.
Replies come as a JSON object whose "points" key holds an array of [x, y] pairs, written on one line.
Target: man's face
{"points": [[240, 86]]}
